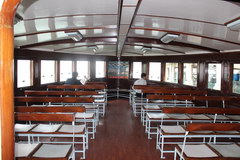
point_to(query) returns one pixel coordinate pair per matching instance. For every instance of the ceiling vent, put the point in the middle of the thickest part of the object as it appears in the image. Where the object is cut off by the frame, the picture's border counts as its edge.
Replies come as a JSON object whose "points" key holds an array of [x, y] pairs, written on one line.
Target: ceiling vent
{"points": [[75, 35], [234, 25], [18, 18], [169, 37]]}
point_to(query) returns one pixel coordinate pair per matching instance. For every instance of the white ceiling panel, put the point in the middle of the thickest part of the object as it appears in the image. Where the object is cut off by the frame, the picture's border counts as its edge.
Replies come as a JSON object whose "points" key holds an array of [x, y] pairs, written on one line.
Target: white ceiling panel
{"points": [[200, 24], [204, 10], [50, 8], [127, 14]]}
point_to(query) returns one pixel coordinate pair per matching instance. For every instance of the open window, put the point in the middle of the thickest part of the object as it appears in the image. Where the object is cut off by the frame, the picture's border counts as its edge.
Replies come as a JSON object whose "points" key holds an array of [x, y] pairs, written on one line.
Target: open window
{"points": [[236, 79], [48, 71], [155, 71], [171, 72], [214, 76], [24, 73], [190, 74]]}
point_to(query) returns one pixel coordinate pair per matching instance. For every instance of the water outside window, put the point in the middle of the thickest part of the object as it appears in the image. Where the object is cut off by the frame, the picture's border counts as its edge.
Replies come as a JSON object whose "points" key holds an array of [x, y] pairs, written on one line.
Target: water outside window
{"points": [[214, 76], [154, 71]]}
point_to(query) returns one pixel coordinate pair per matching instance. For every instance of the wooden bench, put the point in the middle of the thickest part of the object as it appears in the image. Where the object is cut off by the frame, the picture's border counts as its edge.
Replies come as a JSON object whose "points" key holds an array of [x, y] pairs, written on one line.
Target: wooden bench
{"points": [[195, 115], [71, 131], [99, 99], [93, 117], [208, 151]]}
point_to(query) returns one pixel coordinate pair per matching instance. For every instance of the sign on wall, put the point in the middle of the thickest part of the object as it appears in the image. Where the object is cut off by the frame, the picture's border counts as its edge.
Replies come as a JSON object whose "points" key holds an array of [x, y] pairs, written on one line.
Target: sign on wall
{"points": [[118, 69]]}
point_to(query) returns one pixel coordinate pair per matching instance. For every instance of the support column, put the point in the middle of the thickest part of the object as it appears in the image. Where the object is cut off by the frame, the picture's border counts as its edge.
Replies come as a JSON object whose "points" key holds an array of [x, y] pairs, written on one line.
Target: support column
{"points": [[7, 10]]}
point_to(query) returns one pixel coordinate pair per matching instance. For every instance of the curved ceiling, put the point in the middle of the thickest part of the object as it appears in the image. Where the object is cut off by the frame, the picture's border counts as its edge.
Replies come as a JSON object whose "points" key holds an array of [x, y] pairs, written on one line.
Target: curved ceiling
{"points": [[128, 27]]}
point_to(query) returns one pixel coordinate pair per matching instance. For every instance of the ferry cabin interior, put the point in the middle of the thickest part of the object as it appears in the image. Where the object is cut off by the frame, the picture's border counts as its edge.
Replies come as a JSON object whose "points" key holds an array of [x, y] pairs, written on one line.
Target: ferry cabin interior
{"points": [[190, 44]]}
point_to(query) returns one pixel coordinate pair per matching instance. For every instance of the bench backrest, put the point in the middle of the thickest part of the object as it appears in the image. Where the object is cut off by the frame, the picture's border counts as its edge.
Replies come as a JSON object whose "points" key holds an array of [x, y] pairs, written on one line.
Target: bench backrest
{"points": [[70, 109], [44, 117], [174, 91], [196, 110], [90, 86], [213, 127], [59, 93], [55, 99], [169, 97]]}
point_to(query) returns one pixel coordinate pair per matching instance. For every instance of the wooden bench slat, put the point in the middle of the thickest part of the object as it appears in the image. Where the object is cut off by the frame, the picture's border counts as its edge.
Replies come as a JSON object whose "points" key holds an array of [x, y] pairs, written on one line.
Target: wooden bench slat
{"points": [[55, 99], [50, 109], [44, 117]]}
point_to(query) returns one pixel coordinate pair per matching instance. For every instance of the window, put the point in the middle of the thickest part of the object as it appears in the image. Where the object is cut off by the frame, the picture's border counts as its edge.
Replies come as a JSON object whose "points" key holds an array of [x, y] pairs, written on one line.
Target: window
{"points": [[190, 74], [24, 73], [236, 80], [65, 70], [137, 70], [214, 76], [171, 73], [48, 74], [100, 69], [83, 69], [155, 71]]}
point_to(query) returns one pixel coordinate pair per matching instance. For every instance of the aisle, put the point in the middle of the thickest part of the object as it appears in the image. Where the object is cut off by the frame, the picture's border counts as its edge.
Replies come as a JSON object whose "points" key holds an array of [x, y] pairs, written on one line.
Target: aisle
{"points": [[120, 136]]}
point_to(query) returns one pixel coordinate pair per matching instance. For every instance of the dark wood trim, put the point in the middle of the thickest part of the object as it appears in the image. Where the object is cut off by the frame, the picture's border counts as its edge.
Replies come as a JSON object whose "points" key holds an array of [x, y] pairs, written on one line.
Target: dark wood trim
{"points": [[185, 19], [163, 70], [57, 71], [230, 80], [184, 33], [235, 19], [129, 5], [180, 73]]}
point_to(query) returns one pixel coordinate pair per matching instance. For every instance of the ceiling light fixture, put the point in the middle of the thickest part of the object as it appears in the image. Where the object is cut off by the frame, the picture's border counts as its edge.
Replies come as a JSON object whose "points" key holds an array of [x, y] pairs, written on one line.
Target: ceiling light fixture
{"points": [[17, 18], [75, 35], [145, 49], [234, 25], [94, 48], [169, 37]]}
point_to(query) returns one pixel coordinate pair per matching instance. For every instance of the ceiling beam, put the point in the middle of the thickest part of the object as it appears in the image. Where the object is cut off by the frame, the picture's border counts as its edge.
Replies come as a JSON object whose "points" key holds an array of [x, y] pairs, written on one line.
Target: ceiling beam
{"points": [[184, 33], [131, 23], [177, 18], [120, 5], [156, 41], [172, 50], [83, 46], [112, 39]]}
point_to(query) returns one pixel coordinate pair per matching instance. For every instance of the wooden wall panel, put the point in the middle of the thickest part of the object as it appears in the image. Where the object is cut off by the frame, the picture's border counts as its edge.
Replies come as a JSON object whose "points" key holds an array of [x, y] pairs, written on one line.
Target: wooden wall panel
{"points": [[226, 59]]}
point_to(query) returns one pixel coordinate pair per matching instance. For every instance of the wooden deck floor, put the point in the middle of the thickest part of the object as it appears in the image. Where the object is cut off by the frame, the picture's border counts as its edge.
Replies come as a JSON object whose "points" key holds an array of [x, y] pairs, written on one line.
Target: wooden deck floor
{"points": [[120, 136]]}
